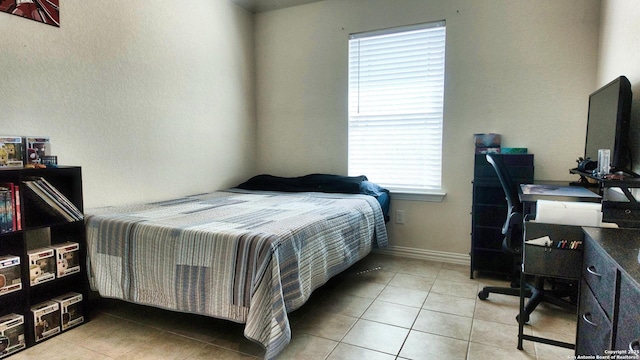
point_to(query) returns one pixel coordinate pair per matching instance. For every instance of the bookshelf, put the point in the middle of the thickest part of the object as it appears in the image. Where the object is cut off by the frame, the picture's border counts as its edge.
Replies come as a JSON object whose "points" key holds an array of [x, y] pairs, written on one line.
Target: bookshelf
{"points": [[44, 226]]}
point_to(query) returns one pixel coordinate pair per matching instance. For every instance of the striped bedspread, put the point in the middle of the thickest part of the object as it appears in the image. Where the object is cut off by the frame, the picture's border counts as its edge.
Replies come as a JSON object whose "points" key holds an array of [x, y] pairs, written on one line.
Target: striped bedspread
{"points": [[245, 256]]}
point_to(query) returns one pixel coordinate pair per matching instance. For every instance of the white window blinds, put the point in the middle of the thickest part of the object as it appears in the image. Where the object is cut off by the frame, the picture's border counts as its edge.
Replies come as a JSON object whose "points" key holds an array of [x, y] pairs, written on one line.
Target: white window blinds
{"points": [[396, 98]]}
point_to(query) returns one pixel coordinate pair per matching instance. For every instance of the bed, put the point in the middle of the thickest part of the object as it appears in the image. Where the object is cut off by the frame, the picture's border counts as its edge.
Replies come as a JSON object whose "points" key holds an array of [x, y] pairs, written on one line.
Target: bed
{"points": [[249, 256]]}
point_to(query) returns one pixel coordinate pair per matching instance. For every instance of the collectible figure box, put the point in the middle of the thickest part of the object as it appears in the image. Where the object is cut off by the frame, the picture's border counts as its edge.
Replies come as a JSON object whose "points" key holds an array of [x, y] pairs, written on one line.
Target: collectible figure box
{"points": [[67, 258], [46, 319], [36, 149], [11, 151], [42, 265], [11, 334], [9, 274], [70, 309]]}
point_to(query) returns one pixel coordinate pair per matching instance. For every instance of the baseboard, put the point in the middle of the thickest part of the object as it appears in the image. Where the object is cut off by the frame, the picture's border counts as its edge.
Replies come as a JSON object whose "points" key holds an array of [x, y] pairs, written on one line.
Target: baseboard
{"points": [[422, 254]]}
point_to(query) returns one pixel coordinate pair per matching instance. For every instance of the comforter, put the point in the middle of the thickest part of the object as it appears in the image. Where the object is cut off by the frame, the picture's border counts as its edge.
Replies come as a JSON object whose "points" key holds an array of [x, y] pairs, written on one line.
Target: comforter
{"points": [[245, 256]]}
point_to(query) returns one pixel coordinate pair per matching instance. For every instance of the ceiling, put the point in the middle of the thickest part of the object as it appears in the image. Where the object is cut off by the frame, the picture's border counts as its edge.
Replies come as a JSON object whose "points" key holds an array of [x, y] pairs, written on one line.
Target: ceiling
{"points": [[256, 6]]}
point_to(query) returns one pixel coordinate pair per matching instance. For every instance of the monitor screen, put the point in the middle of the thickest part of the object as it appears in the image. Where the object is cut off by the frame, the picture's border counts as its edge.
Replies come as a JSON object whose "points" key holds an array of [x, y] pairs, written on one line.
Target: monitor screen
{"points": [[608, 122]]}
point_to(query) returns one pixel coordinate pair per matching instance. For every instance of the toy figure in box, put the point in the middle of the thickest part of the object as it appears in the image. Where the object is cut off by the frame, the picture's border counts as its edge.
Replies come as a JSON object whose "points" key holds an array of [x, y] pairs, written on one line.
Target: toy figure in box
{"points": [[9, 274], [11, 334], [41, 327], [42, 265], [37, 147], [33, 159], [4, 343], [11, 151], [46, 318], [34, 272]]}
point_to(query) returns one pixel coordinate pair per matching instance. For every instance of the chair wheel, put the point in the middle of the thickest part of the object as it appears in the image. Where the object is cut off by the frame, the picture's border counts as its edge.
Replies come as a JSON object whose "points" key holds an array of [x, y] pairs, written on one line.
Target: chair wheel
{"points": [[483, 295]]}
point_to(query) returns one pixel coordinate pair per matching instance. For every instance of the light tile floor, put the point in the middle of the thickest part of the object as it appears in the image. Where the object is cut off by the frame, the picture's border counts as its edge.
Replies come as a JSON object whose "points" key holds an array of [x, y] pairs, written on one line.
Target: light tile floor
{"points": [[406, 309]]}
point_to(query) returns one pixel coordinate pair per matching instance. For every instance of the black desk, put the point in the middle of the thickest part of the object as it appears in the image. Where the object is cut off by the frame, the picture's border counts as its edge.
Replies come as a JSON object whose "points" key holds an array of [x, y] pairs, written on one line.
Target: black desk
{"points": [[548, 262], [529, 194]]}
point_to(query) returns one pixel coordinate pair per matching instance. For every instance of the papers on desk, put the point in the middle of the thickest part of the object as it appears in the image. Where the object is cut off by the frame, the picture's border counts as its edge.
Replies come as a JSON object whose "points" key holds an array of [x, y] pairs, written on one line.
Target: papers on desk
{"points": [[543, 241], [569, 213], [552, 190]]}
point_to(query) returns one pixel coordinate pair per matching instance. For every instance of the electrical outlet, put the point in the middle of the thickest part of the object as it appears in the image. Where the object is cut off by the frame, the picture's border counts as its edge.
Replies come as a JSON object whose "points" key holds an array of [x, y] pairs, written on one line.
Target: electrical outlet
{"points": [[399, 216]]}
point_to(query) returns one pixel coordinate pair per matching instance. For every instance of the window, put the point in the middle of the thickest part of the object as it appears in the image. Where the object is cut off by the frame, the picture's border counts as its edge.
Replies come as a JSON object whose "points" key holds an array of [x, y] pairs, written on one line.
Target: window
{"points": [[396, 98]]}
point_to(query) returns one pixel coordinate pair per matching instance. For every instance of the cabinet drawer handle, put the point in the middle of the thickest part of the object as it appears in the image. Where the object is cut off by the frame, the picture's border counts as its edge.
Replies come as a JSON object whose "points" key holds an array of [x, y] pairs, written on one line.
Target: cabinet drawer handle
{"points": [[592, 270], [634, 348], [584, 317]]}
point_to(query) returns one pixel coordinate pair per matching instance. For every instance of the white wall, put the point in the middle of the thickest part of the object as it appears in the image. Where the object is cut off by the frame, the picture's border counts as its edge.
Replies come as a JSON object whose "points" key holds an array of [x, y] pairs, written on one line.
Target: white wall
{"points": [[520, 68], [620, 55], [153, 101]]}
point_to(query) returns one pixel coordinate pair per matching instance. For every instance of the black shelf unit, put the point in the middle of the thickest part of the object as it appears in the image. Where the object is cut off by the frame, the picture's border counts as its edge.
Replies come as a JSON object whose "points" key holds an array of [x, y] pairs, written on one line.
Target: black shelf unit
{"points": [[619, 207], [35, 221], [489, 212]]}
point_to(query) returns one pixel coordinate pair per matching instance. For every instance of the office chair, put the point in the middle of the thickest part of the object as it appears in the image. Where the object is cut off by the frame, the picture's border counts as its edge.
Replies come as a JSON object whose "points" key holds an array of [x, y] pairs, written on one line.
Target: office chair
{"points": [[512, 229], [512, 244]]}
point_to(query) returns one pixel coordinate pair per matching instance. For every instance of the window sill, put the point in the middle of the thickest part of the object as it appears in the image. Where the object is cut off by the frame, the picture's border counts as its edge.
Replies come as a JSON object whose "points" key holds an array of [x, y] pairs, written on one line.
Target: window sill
{"points": [[411, 196]]}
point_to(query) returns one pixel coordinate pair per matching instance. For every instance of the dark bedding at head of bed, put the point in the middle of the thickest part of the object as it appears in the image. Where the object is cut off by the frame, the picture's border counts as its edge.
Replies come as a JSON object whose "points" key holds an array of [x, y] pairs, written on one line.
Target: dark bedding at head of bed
{"points": [[327, 183]]}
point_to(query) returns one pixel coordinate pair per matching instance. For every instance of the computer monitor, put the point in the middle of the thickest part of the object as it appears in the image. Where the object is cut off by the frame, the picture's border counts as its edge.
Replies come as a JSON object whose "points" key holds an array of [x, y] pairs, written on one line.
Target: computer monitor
{"points": [[608, 123]]}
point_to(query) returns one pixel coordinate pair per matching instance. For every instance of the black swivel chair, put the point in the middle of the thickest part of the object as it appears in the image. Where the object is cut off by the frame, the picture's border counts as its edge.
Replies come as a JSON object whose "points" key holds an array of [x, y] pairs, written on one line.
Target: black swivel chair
{"points": [[512, 245]]}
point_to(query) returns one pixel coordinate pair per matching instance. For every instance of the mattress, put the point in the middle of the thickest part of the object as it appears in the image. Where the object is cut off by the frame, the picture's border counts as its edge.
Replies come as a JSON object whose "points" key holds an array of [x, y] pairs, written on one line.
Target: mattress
{"points": [[246, 256]]}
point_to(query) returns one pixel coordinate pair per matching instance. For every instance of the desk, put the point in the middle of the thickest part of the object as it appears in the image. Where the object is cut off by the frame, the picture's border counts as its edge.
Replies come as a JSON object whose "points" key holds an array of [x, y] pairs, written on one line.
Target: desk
{"points": [[610, 293], [530, 193], [620, 207], [554, 263], [549, 262], [608, 313]]}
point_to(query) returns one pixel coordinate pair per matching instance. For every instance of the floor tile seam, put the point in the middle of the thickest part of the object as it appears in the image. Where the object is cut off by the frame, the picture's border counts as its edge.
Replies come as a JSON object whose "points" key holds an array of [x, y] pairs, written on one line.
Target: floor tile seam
{"points": [[444, 336], [466, 341], [233, 351], [393, 303], [342, 337], [548, 332], [358, 318], [358, 346], [410, 288], [511, 348], [383, 352], [417, 273], [447, 313], [161, 330], [493, 345], [442, 293], [165, 331], [205, 344], [121, 317], [389, 302], [443, 276], [178, 334], [82, 346], [384, 323], [423, 276]]}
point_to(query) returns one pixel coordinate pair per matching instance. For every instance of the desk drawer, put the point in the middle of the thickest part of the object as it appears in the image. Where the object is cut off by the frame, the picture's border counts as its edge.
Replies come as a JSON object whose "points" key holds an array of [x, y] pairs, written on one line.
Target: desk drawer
{"points": [[628, 326], [552, 261], [594, 328], [599, 272]]}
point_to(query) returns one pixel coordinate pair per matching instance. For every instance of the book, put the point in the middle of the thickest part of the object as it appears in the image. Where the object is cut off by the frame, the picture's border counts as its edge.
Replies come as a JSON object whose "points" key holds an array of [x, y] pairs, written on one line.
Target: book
{"points": [[6, 210], [11, 206], [18, 206], [53, 199], [15, 208]]}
